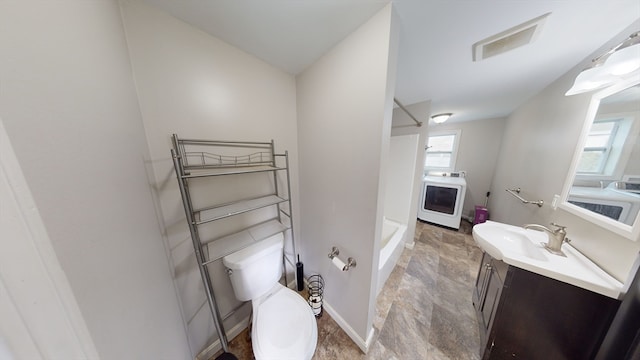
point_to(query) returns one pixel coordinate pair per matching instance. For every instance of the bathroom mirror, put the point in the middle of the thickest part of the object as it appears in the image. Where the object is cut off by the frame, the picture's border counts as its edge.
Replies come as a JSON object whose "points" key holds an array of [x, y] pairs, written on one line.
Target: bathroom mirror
{"points": [[603, 183]]}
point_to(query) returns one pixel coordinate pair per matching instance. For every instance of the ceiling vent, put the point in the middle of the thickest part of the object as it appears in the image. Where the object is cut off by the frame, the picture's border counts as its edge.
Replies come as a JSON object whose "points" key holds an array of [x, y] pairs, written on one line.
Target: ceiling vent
{"points": [[510, 39]]}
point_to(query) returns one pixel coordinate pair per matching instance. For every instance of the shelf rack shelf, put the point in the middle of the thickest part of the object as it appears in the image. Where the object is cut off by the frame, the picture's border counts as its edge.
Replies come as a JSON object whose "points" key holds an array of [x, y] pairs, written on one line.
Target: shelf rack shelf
{"points": [[236, 208], [197, 159], [230, 171], [239, 240]]}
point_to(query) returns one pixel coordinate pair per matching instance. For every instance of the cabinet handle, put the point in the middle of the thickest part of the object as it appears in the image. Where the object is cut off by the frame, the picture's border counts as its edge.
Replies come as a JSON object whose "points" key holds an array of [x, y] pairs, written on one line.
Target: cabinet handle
{"points": [[485, 280]]}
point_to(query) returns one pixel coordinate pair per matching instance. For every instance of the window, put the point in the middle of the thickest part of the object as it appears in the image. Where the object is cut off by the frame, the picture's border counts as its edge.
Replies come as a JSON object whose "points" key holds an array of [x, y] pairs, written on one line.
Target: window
{"points": [[441, 151], [598, 146]]}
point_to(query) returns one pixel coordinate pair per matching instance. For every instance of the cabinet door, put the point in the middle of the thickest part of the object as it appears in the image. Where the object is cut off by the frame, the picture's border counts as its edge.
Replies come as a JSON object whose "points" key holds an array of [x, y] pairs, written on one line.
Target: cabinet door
{"points": [[481, 282], [492, 295]]}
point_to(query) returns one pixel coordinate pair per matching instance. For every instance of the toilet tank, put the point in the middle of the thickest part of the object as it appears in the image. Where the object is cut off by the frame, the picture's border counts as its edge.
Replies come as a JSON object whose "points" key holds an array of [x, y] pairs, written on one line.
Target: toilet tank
{"points": [[256, 268]]}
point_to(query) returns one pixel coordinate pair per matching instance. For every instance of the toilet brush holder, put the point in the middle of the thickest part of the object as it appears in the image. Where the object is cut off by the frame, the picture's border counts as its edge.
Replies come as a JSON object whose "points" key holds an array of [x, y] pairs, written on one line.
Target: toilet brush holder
{"points": [[299, 275], [316, 289]]}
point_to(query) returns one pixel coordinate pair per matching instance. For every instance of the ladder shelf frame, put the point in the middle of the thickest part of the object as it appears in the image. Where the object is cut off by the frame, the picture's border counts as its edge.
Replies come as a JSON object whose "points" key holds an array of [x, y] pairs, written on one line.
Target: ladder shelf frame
{"points": [[212, 165]]}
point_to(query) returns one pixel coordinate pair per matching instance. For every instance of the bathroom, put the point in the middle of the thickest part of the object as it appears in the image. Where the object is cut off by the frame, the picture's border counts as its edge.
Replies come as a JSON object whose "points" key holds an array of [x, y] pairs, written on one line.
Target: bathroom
{"points": [[103, 185]]}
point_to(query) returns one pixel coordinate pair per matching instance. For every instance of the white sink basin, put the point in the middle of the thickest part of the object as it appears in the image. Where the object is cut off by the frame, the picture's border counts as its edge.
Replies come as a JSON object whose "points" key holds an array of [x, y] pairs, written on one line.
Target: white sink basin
{"points": [[523, 248], [497, 239]]}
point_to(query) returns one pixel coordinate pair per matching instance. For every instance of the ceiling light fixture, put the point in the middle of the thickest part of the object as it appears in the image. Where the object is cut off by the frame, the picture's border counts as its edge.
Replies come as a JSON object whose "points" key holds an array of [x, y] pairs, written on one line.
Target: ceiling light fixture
{"points": [[440, 118], [609, 67]]}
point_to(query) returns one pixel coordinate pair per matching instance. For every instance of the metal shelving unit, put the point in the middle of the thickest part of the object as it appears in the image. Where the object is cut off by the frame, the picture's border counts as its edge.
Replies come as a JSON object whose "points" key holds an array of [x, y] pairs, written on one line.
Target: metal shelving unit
{"points": [[196, 159]]}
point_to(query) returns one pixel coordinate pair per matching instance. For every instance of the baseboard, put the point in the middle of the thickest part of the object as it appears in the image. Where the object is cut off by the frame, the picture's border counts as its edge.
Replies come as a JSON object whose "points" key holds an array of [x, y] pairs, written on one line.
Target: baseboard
{"points": [[208, 352], [362, 343], [469, 218]]}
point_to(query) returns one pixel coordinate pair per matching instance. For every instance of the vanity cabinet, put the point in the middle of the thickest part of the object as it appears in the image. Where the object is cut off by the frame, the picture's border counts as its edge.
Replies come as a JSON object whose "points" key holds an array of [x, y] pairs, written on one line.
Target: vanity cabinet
{"points": [[487, 292], [523, 315]]}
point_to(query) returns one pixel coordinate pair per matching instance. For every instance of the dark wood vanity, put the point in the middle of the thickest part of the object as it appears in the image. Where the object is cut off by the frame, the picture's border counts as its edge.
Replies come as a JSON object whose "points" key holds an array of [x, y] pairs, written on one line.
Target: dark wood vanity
{"points": [[523, 315]]}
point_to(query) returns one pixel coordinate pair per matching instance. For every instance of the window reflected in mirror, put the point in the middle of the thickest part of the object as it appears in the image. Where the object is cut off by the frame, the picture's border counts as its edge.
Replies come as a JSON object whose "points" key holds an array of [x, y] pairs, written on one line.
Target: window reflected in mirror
{"points": [[604, 146]]}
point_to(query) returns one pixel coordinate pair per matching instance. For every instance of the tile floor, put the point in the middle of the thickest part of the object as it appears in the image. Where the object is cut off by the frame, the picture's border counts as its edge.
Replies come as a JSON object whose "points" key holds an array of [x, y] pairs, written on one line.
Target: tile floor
{"points": [[424, 310]]}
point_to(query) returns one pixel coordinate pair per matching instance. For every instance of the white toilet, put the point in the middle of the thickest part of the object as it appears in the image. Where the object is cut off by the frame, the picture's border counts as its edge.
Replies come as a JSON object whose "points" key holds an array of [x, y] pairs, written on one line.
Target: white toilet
{"points": [[284, 326]]}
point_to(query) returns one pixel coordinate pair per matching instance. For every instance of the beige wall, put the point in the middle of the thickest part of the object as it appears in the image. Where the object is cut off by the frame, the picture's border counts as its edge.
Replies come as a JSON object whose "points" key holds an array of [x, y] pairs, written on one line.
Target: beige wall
{"points": [[477, 155], [197, 86], [537, 148], [69, 106], [344, 124]]}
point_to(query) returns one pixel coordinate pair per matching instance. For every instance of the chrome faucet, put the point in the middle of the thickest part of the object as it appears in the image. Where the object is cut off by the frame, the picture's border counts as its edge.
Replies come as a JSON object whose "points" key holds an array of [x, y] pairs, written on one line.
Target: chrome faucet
{"points": [[556, 237]]}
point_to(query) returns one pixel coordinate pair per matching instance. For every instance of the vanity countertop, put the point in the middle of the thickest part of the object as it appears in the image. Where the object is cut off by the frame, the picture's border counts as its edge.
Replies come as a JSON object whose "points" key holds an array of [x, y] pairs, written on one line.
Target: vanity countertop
{"points": [[523, 248], [606, 194]]}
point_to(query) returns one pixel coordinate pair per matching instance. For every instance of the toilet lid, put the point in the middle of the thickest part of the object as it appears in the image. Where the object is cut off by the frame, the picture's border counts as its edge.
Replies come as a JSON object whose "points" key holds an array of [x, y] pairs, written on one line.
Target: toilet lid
{"points": [[284, 327]]}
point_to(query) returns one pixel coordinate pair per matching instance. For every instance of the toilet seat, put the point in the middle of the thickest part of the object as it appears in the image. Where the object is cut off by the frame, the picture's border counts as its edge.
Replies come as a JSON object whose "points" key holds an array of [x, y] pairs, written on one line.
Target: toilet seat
{"points": [[284, 326]]}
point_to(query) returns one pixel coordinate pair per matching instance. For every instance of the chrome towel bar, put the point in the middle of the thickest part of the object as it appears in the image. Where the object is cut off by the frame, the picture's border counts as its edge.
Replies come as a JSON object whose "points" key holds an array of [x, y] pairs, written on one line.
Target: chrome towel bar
{"points": [[516, 193]]}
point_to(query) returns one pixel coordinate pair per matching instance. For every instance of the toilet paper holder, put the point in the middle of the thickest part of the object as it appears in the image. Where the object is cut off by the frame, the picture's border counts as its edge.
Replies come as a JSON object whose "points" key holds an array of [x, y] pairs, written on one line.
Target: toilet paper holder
{"points": [[333, 255]]}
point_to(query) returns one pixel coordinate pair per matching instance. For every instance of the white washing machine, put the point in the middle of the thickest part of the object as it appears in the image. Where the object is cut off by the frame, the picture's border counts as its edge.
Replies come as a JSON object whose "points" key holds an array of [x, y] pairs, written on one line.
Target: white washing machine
{"points": [[442, 200]]}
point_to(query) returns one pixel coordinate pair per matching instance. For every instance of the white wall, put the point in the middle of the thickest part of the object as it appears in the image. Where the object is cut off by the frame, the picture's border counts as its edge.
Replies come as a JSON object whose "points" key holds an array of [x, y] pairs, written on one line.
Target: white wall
{"points": [[344, 122], [400, 177], [40, 316], [197, 86], [477, 155], [69, 107], [537, 148], [404, 125]]}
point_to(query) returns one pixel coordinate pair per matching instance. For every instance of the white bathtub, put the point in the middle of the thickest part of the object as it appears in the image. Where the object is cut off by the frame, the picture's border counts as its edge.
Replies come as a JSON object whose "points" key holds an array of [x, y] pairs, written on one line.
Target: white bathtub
{"points": [[390, 249]]}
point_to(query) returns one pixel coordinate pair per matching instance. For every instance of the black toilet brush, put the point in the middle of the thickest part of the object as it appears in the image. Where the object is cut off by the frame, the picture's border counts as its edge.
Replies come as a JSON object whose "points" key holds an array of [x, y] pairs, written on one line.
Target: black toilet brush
{"points": [[299, 274]]}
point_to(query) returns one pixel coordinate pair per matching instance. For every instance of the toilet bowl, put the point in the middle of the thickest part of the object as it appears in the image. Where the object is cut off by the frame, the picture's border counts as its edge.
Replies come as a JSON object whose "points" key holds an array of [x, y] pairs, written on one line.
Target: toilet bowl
{"points": [[284, 326]]}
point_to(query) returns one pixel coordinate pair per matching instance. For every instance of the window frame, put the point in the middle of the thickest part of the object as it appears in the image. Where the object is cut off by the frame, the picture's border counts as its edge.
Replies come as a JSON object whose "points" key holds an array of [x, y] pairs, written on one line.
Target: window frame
{"points": [[457, 133]]}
